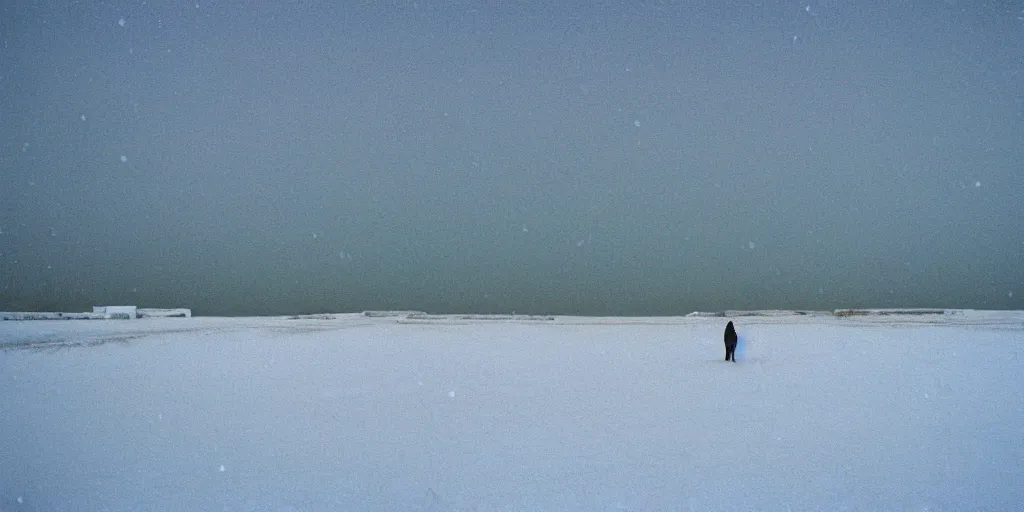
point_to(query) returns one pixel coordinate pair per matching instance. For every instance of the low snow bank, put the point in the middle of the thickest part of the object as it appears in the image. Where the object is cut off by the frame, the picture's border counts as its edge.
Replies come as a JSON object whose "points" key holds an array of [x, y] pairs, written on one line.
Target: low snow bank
{"points": [[837, 312], [892, 311], [424, 316], [390, 314], [757, 312], [100, 313], [46, 315], [164, 313]]}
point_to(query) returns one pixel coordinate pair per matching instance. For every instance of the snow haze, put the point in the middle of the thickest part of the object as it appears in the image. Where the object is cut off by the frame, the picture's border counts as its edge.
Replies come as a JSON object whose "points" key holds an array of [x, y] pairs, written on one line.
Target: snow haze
{"points": [[819, 413], [609, 158]]}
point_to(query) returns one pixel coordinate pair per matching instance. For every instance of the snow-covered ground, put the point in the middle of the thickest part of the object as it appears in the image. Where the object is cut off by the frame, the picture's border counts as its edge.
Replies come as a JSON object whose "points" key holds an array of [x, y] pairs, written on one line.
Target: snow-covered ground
{"points": [[445, 413]]}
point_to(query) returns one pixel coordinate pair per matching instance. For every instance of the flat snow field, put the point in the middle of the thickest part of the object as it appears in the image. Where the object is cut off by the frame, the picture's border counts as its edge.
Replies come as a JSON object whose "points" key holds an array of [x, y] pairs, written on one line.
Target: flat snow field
{"points": [[446, 413]]}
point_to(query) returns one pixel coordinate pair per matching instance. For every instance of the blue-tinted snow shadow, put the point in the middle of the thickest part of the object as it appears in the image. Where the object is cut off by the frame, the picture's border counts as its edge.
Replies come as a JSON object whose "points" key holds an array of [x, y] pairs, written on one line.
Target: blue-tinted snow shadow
{"points": [[741, 347]]}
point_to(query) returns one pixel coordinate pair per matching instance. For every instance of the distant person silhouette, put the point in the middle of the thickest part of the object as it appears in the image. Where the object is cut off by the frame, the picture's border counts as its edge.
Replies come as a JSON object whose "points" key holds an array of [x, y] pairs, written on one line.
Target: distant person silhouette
{"points": [[730, 342]]}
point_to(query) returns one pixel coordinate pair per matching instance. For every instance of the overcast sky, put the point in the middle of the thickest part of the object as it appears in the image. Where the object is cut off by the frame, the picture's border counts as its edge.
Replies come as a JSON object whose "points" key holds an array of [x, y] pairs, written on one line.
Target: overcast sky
{"points": [[635, 157]]}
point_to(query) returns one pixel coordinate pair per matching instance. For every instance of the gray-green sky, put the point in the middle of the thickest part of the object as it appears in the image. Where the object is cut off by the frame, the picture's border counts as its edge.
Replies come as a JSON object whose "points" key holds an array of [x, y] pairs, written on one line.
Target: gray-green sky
{"points": [[648, 157]]}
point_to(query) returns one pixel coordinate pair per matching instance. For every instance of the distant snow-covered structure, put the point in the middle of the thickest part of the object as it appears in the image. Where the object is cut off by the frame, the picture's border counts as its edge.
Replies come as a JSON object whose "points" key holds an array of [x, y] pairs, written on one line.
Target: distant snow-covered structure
{"points": [[164, 313], [891, 311], [100, 313], [48, 315], [117, 312]]}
